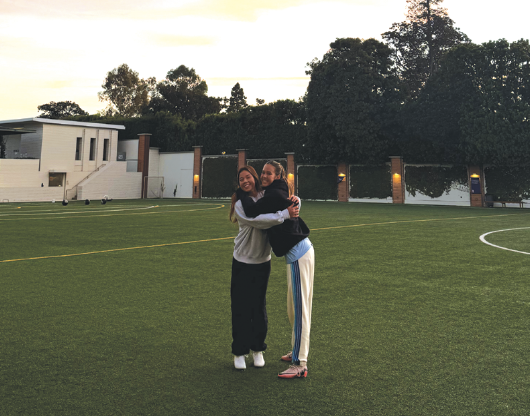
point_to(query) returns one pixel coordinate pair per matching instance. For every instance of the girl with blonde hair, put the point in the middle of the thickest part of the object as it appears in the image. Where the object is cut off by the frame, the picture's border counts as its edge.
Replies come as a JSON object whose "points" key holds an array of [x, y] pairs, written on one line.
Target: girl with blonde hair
{"points": [[251, 266], [289, 239]]}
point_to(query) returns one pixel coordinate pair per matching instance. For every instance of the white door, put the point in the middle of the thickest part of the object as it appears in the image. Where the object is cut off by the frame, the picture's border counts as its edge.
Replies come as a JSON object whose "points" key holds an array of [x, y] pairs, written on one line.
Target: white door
{"points": [[185, 184]]}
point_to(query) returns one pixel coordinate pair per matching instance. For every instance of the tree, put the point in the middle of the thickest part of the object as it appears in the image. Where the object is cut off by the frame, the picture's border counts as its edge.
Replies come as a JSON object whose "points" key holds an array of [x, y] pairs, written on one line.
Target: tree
{"points": [[477, 106], [268, 131], [351, 101], [238, 101], [61, 109], [420, 41], [183, 92], [126, 93]]}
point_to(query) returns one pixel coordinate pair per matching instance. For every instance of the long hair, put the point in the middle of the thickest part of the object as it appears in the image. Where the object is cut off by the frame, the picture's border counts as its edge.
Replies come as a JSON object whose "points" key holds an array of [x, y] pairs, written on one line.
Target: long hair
{"points": [[252, 171], [280, 171]]}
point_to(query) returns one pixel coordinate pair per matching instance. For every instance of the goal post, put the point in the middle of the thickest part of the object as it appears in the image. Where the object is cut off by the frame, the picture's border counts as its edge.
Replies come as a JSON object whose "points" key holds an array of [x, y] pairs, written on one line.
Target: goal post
{"points": [[154, 186]]}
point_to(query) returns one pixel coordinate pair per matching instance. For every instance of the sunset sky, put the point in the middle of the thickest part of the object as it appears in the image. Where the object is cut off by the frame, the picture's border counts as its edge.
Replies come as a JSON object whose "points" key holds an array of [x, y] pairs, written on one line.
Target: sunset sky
{"points": [[61, 50]]}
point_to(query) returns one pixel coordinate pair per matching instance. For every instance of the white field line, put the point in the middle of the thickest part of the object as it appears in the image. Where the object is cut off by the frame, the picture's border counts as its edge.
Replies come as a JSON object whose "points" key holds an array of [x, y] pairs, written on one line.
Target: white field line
{"points": [[102, 210], [103, 214], [228, 238], [483, 239], [74, 212]]}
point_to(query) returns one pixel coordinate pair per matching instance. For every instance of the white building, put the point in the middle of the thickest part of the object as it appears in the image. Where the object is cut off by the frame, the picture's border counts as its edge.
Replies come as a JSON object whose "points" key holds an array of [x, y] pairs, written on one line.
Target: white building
{"points": [[49, 159]]}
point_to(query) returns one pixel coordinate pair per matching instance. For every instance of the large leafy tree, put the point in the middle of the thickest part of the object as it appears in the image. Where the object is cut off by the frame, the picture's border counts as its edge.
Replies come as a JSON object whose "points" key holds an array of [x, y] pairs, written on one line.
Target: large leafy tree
{"points": [[476, 108], [61, 109], [238, 101], [420, 41], [351, 102], [125, 92], [184, 92], [267, 130]]}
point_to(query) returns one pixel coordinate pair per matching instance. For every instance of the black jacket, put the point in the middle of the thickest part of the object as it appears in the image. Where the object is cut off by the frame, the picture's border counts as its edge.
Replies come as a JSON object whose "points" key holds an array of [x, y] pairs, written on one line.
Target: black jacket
{"points": [[282, 237]]}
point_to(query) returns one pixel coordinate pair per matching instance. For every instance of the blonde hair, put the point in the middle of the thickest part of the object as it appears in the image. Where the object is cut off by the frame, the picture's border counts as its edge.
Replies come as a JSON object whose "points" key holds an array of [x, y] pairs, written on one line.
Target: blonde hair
{"points": [[280, 171], [257, 182]]}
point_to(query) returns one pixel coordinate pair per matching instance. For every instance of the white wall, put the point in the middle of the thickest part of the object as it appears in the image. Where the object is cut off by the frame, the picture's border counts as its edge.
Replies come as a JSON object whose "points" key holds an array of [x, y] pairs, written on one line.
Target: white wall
{"points": [[177, 170], [31, 194], [19, 173], [114, 181], [154, 162]]}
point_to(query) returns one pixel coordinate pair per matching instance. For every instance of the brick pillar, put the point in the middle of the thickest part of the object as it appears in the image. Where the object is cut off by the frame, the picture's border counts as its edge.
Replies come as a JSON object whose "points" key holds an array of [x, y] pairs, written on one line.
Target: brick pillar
{"points": [[398, 185], [143, 159], [241, 158], [197, 171], [291, 171], [477, 198], [343, 190]]}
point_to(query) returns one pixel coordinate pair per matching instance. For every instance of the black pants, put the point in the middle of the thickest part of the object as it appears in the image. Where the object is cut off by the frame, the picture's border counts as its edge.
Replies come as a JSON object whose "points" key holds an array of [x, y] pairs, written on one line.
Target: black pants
{"points": [[249, 312]]}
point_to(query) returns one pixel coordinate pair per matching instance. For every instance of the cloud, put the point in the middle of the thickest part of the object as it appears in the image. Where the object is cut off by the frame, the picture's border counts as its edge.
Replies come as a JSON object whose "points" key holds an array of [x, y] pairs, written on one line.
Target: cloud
{"points": [[166, 40], [240, 10], [229, 80]]}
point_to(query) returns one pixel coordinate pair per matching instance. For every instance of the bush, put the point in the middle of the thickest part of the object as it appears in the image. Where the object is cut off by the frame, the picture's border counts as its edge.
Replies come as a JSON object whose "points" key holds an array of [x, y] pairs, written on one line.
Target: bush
{"points": [[370, 181], [317, 182], [433, 181], [219, 177]]}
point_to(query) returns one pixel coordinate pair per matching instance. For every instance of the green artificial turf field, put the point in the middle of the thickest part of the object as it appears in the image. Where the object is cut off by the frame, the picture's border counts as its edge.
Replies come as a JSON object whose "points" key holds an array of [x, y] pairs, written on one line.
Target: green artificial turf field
{"points": [[124, 309]]}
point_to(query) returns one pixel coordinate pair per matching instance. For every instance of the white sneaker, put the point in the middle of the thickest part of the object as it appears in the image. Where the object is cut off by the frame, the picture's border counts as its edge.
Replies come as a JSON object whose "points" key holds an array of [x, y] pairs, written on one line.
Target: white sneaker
{"points": [[258, 359], [239, 362]]}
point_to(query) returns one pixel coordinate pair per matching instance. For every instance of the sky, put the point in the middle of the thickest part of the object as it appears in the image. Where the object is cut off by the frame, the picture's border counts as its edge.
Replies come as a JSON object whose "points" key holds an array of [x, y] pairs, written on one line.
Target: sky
{"points": [[61, 50]]}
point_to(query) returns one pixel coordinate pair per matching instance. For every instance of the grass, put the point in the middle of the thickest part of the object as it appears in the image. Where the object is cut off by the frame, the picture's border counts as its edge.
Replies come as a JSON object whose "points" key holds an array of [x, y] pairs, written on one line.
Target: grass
{"points": [[412, 313]]}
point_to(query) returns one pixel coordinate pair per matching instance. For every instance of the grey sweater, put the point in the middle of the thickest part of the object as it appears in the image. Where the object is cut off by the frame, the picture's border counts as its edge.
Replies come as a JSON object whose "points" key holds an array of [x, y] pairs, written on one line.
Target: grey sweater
{"points": [[252, 244]]}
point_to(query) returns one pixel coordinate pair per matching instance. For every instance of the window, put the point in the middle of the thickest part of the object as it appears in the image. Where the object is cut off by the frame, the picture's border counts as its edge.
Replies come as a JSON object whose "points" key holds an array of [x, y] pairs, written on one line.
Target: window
{"points": [[92, 149], [78, 148], [106, 149], [56, 179]]}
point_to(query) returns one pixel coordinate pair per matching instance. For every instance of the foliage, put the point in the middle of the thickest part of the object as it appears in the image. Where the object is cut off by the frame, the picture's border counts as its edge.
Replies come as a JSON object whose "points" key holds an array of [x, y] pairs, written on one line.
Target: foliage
{"points": [[317, 182], [219, 177], [507, 183], [238, 101], [125, 92], [370, 181], [183, 92], [475, 109], [352, 100], [420, 41], [434, 181], [61, 109], [268, 131]]}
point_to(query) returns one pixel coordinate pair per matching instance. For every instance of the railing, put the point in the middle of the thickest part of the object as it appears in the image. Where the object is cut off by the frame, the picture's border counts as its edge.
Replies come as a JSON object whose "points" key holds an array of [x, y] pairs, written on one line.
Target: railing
{"points": [[69, 191]]}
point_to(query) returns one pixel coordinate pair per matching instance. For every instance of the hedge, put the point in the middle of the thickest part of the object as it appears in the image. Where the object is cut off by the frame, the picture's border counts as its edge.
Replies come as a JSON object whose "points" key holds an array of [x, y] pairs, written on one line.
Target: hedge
{"points": [[317, 182], [219, 176], [434, 181], [370, 181], [508, 183]]}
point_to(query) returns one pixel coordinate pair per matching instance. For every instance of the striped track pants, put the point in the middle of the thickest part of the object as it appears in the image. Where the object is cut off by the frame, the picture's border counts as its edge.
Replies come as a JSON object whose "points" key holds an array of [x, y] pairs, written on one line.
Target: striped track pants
{"points": [[300, 276]]}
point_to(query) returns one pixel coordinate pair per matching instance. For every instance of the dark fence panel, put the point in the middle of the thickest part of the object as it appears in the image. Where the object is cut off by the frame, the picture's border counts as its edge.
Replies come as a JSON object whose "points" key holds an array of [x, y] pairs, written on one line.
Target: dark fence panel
{"points": [[370, 181], [219, 176], [317, 182]]}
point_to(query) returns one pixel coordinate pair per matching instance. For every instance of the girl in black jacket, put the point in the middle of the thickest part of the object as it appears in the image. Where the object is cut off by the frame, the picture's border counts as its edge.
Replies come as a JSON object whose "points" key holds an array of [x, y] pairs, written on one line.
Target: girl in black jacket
{"points": [[289, 239]]}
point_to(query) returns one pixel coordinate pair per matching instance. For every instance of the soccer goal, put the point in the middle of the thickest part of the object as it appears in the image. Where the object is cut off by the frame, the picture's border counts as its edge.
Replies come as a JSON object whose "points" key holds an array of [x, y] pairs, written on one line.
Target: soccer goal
{"points": [[154, 186]]}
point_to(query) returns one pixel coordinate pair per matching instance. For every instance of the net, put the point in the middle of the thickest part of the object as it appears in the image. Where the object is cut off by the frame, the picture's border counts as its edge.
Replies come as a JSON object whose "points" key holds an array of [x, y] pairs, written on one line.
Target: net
{"points": [[154, 187]]}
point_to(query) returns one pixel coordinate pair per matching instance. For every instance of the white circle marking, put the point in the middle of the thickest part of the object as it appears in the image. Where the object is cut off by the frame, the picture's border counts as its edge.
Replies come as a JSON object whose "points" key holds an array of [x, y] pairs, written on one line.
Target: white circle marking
{"points": [[483, 239]]}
